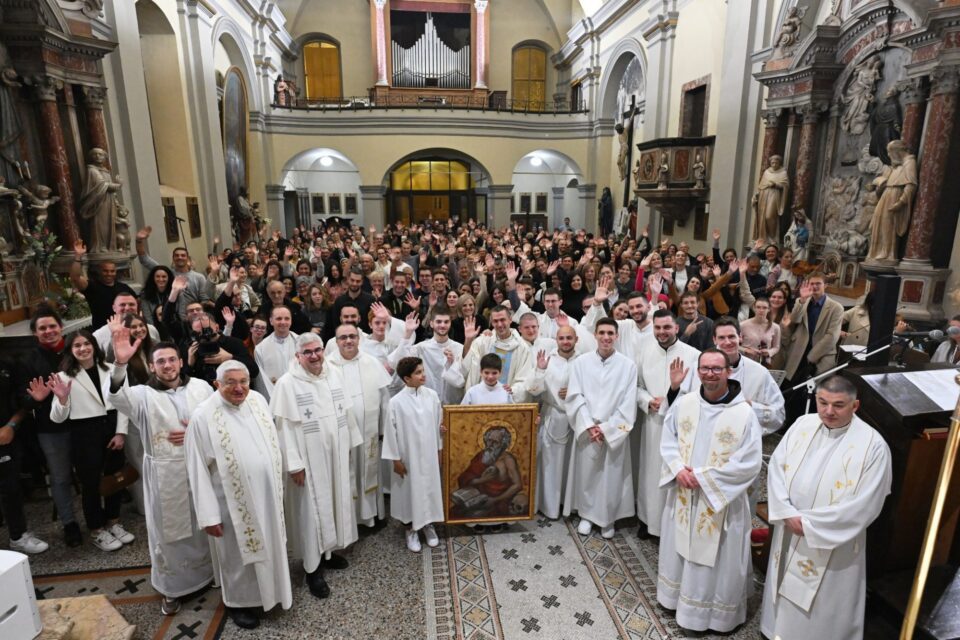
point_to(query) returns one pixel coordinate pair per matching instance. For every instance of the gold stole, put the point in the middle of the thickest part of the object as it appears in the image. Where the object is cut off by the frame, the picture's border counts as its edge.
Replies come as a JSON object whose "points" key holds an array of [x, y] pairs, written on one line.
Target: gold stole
{"points": [[245, 523], [698, 532], [806, 566]]}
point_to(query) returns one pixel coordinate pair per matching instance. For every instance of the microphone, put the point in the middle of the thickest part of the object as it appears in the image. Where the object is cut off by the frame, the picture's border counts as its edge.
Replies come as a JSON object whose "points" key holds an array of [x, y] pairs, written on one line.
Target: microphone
{"points": [[936, 335]]}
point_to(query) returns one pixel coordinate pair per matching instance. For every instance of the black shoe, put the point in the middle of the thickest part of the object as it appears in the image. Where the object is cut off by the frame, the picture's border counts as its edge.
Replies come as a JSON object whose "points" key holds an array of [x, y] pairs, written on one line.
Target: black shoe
{"points": [[317, 585], [643, 533], [244, 617], [72, 535], [336, 562]]}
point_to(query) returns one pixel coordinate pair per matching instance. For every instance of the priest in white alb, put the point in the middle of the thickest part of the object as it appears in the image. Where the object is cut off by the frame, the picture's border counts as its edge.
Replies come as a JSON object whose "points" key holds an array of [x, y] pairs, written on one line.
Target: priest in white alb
{"points": [[555, 434], [517, 360], [160, 410], [442, 357], [367, 384], [711, 448], [656, 358], [318, 433], [827, 481], [275, 352], [236, 476], [601, 407], [635, 331]]}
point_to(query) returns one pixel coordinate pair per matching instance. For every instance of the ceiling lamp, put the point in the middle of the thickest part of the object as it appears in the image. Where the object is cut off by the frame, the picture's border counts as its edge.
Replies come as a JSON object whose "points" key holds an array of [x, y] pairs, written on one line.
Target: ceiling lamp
{"points": [[326, 161], [536, 161]]}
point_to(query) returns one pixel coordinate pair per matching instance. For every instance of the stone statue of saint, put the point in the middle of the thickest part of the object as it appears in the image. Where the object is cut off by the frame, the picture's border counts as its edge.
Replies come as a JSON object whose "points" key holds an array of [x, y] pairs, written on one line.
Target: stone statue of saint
{"points": [[789, 33], [769, 202], [10, 129], [859, 96], [886, 124], [797, 238], [623, 137], [98, 203], [891, 217], [699, 173], [663, 172]]}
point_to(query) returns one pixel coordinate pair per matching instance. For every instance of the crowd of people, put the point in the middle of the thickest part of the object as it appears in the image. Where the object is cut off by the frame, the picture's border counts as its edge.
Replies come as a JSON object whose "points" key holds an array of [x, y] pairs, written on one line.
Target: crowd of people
{"points": [[652, 367]]}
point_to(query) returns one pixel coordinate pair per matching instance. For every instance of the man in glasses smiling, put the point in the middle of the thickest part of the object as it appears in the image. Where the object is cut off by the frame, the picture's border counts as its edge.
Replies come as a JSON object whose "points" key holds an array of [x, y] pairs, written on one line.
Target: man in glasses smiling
{"points": [[711, 454]]}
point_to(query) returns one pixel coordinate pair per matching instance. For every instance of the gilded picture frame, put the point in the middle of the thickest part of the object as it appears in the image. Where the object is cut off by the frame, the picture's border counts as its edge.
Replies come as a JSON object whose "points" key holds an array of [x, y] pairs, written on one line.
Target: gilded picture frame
{"points": [[489, 463]]}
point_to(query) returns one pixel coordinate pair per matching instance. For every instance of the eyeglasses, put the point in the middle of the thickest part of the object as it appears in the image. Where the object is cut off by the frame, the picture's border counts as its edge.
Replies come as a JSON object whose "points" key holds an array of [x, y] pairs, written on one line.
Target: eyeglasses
{"points": [[312, 352], [349, 336], [236, 383], [713, 370]]}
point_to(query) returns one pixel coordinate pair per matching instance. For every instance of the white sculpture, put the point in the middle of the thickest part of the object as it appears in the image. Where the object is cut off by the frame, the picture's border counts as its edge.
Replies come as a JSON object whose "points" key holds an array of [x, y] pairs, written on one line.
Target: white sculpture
{"points": [[860, 96]]}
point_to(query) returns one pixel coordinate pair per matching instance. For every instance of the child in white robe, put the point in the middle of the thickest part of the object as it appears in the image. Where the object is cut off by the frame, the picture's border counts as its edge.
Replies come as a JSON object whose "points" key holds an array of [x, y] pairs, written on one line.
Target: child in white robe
{"points": [[489, 390], [412, 441]]}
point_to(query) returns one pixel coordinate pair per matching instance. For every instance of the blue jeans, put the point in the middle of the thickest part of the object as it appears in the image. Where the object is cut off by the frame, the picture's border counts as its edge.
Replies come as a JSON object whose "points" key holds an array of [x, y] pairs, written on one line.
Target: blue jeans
{"points": [[56, 449]]}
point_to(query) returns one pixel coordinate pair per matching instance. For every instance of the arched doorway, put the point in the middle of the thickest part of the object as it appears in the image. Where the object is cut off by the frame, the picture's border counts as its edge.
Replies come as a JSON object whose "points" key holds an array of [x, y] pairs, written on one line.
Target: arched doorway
{"points": [[436, 184], [541, 191], [319, 184]]}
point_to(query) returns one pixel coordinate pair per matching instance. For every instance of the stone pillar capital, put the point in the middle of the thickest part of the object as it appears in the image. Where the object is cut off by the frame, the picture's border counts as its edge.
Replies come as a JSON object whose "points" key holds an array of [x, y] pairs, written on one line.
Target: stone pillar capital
{"points": [[912, 91], [46, 87], [380, 4], [771, 118], [945, 80], [94, 97], [810, 113], [481, 5]]}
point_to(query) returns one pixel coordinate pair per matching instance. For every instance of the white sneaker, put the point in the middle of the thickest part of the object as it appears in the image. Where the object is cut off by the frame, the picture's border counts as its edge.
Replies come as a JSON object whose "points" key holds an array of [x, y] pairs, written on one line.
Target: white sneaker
{"points": [[607, 532], [104, 541], [121, 534], [29, 543], [431, 535], [584, 527], [413, 541]]}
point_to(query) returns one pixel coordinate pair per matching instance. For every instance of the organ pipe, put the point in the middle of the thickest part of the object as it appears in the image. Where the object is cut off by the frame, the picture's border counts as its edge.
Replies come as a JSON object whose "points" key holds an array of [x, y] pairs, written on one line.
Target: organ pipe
{"points": [[429, 59]]}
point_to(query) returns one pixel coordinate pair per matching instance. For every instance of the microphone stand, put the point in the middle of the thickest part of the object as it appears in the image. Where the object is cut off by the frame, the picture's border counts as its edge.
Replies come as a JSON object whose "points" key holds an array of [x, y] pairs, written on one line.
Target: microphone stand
{"points": [[811, 384]]}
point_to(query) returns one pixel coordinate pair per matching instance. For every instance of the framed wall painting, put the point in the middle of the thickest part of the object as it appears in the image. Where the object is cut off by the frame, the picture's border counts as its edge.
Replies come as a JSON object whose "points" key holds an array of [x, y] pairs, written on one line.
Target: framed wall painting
{"points": [[350, 204], [490, 463], [318, 204], [336, 205]]}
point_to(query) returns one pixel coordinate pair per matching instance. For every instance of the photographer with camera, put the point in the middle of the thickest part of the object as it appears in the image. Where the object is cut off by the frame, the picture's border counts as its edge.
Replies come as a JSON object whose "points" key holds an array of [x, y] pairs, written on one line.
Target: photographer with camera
{"points": [[205, 348]]}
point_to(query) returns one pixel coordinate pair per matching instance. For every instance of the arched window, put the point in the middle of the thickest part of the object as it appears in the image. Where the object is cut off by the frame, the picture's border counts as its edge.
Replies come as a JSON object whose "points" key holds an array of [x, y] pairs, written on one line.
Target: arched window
{"points": [[321, 70], [529, 77]]}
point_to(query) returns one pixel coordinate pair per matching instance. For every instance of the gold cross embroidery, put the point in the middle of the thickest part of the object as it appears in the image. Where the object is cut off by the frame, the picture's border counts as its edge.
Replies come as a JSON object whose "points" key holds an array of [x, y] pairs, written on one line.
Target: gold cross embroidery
{"points": [[807, 568]]}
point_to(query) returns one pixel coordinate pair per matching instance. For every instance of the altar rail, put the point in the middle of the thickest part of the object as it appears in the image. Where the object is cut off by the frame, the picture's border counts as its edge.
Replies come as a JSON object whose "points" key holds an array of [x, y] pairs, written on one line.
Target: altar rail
{"points": [[495, 102]]}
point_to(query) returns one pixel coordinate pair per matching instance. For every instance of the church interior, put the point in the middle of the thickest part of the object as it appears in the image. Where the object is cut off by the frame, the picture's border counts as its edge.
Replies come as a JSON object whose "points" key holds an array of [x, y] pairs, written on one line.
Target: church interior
{"points": [[215, 120]]}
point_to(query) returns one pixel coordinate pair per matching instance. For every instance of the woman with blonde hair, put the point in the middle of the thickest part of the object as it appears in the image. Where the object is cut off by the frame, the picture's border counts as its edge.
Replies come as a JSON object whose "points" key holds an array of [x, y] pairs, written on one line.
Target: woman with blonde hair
{"points": [[466, 308]]}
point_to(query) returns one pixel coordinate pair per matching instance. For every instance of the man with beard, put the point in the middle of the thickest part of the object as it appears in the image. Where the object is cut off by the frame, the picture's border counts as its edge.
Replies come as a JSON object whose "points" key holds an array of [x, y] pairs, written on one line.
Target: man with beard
{"points": [[275, 353], [517, 361], [711, 454], [161, 409], [659, 359], [442, 357], [354, 296], [318, 432], [367, 385], [631, 332], [232, 444], [495, 475], [198, 288], [602, 408], [553, 450], [100, 290]]}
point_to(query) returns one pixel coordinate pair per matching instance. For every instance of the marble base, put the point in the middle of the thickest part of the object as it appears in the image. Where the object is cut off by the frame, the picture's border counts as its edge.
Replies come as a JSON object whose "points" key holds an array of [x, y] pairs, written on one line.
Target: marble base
{"points": [[87, 618], [922, 289]]}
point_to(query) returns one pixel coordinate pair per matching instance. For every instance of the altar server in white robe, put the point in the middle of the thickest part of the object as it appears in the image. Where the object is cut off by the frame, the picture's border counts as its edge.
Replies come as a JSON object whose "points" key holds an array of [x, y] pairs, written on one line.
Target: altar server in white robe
{"points": [[412, 443], [236, 478], [758, 386], [555, 433], [517, 360], [529, 330], [552, 319], [367, 385], [827, 481], [711, 448], [385, 348], [601, 406], [634, 331], [318, 433], [442, 357], [275, 352], [656, 357], [350, 314], [160, 410]]}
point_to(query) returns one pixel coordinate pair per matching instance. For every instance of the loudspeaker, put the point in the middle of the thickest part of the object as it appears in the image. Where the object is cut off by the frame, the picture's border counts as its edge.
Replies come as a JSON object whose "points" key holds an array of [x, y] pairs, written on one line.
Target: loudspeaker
{"points": [[19, 616], [884, 300]]}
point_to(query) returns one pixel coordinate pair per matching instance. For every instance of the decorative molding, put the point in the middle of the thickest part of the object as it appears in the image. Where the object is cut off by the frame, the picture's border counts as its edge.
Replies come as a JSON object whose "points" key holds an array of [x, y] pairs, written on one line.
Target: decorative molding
{"points": [[945, 80], [94, 97], [771, 118], [810, 113], [913, 90], [45, 87]]}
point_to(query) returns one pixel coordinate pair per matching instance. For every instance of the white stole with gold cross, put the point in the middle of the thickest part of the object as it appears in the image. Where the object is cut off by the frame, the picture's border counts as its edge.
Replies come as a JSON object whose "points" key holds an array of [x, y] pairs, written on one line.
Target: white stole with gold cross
{"points": [[698, 528], [806, 566], [246, 524]]}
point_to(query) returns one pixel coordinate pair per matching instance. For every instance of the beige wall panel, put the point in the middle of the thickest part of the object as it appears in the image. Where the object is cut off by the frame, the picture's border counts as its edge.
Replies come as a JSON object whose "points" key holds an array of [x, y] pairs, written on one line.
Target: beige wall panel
{"points": [[349, 24], [698, 52], [509, 26]]}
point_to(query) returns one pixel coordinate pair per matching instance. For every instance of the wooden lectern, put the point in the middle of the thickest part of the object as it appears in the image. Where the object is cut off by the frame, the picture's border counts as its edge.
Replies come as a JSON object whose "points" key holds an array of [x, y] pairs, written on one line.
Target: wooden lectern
{"points": [[915, 427]]}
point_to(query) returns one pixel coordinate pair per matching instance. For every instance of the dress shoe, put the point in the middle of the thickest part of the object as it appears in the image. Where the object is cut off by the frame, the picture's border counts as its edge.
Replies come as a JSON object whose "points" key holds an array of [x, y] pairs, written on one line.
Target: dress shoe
{"points": [[317, 585], [244, 617], [642, 532], [336, 562], [413, 540], [607, 532], [584, 527], [72, 535], [431, 536]]}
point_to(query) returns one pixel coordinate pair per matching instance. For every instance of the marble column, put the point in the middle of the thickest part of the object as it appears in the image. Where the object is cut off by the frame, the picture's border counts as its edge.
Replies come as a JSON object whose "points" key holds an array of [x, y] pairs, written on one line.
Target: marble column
{"points": [[944, 86], [481, 46], [914, 97], [275, 206], [805, 171], [558, 212], [588, 204], [373, 204], [55, 157], [500, 195], [771, 136], [93, 98], [380, 42]]}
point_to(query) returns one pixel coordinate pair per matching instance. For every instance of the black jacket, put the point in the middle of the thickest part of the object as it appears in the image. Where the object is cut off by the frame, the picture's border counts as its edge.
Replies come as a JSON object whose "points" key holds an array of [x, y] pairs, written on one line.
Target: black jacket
{"points": [[208, 372], [39, 363]]}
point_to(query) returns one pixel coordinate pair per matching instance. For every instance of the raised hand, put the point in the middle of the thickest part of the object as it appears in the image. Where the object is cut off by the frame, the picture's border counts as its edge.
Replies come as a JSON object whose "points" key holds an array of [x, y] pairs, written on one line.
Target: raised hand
{"points": [[229, 317], [448, 354], [655, 283], [741, 265], [677, 373], [115, 323], [412, 323], [693, 326], [470, 331], [412, 302], [179, 284], [805, 290], [213, 262], [59, 388], [79, 249], [542, 359], [123, 351], [511, 271], [380, 311], [144, 233], [563, 320], [716, 235], [716, 271], [552, 267], [234, 275], [38, 389], [602, 292]]}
